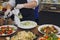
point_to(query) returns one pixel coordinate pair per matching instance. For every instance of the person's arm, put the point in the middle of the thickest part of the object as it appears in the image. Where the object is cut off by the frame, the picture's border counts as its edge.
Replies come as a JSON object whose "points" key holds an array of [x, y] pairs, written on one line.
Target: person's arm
{"points": [[31, 4], [10, 4]]}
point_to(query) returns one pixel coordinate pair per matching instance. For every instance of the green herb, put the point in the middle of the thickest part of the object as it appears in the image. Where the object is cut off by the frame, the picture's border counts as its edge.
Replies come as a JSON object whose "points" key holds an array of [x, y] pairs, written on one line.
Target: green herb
{"points": [[52, 37]]}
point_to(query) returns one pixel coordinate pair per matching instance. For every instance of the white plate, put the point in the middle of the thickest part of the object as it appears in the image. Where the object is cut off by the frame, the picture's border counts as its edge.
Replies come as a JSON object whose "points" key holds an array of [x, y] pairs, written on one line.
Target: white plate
{"points": [[58, 35], [27, 24], [15, 29], [41, 26]]}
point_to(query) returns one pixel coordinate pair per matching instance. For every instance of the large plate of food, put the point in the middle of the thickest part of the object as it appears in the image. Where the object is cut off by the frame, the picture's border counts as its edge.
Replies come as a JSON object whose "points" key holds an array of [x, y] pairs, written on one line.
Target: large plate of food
{"points": [[27, 24], [24, 35], [49, 37], [48, 28], [7, 30]]}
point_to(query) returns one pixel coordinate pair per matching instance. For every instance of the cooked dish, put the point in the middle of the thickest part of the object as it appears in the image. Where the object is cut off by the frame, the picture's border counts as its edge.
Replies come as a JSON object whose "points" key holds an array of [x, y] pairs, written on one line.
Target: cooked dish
{"points": [[49, 37], [1, 21], [6, 30], [6, 21], [27, 23], [9, 21], [49, 29], [23, 35]]}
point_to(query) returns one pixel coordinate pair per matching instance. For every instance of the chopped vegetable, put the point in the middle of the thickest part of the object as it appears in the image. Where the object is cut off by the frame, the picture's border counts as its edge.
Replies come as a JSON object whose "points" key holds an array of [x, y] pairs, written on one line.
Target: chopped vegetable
{"points": [[58, 38], [6, 30], [49, 29], [49, 37]]}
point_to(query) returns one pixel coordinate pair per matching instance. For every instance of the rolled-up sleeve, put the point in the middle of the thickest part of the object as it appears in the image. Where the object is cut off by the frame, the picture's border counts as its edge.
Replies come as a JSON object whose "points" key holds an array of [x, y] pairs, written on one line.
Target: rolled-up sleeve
{"points": [[12, 2], [33, 0], [37, 2]]}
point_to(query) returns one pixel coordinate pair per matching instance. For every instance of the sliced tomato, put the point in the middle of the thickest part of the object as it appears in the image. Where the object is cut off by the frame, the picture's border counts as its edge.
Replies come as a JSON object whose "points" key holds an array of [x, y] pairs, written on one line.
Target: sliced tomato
{"points": [[9, 32], [1, 33], [42, 38], [46, 37]]}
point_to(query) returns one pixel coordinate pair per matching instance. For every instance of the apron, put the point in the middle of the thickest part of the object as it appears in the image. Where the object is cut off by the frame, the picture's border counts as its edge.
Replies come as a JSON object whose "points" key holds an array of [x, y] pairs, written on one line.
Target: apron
{"points": [[27, 13]]}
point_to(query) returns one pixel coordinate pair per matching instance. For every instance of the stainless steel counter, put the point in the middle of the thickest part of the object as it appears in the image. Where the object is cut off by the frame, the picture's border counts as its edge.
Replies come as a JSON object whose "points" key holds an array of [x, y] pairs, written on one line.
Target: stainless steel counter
{"points": [[53, 7]]}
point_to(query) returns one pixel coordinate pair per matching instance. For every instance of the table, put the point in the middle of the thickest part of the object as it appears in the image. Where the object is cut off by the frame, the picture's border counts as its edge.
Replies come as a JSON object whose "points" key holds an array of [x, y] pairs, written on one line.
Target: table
{"points": [[34, 30]]}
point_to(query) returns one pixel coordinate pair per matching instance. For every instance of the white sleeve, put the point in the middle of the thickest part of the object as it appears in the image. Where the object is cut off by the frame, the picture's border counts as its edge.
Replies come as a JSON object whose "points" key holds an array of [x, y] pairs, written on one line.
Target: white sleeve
{"points": [[12, 2], [37, 2], [33, 0]]}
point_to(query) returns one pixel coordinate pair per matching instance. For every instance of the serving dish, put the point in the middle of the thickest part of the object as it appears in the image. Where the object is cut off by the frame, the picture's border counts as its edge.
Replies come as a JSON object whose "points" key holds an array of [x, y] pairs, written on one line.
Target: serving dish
{"points": [[7, 30], [49, 37], [24, 35], [27, 24], [49, 28]]}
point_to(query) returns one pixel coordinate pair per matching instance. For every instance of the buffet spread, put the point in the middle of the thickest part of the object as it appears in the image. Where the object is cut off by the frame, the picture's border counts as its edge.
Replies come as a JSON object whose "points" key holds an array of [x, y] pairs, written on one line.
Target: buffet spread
{"points": [[27, 30]]}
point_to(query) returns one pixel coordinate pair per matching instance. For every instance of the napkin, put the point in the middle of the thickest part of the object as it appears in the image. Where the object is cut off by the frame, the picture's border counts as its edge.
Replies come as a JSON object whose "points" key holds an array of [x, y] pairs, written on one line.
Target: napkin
{"points": [[17, 21], [16, 18]]}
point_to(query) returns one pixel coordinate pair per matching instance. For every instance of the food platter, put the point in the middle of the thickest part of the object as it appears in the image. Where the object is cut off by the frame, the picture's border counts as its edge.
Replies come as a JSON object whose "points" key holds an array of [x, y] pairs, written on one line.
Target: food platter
{"points": [[24, 35], [49, 27], [49, 37], [27, 24], [7, 30]]}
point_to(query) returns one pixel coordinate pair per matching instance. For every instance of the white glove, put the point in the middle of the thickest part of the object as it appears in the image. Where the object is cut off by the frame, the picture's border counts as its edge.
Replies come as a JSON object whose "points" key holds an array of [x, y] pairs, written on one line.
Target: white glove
{"points": [[19, 6], [15, 11], [17, 20], [6, 13], [10, 14]]}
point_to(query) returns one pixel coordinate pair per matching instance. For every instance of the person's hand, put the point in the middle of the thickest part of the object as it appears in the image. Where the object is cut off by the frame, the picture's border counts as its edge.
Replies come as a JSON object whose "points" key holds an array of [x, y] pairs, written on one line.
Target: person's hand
{"points": [[15, 12], [6, 13], [19, 6]]}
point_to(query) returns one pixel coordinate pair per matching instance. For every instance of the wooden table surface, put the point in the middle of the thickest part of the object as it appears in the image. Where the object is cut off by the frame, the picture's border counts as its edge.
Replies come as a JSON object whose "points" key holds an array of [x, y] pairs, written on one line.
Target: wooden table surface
{"points": [[34, 30]]}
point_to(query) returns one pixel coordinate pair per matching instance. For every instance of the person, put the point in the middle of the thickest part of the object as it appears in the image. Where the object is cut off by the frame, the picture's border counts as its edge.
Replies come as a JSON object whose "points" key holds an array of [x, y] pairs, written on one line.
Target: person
{"points": [[26, 8]]}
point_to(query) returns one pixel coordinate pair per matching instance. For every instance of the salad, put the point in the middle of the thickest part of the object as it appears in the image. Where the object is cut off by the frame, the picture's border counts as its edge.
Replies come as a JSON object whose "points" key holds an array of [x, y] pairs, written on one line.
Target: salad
{"points": [[6, 30], [23, 35], [49, 37], [49, 29]]}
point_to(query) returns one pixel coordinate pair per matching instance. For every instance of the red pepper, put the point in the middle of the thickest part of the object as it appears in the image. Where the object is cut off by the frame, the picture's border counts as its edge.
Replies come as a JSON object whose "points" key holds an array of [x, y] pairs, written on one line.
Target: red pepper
{"points": [[9, 32], [46, 37]]}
